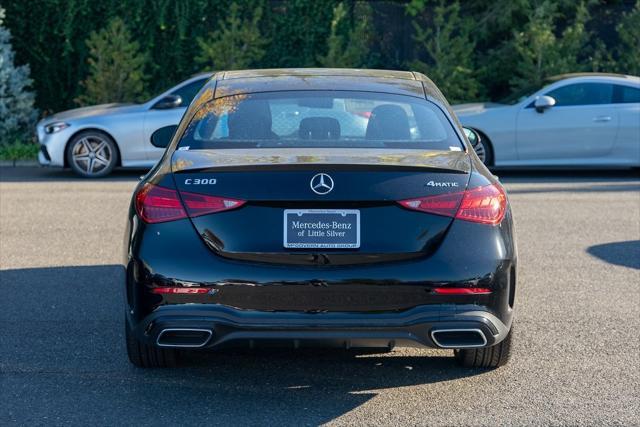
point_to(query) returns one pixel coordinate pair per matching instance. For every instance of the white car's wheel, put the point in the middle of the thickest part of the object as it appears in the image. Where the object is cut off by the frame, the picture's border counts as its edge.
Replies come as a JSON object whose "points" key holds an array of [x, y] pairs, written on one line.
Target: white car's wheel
{"points": [[92, 154], [482, 147]]}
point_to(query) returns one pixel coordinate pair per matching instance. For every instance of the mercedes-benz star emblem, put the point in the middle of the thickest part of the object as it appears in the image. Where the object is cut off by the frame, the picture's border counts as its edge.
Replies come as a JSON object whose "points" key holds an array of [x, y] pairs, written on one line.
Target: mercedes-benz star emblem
{"points": [[321, 184]]}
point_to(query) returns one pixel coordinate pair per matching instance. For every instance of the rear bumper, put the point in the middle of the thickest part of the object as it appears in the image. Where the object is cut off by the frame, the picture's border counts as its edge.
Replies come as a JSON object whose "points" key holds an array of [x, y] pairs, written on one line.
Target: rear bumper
{"points": [[220, 326], [366, 305]]}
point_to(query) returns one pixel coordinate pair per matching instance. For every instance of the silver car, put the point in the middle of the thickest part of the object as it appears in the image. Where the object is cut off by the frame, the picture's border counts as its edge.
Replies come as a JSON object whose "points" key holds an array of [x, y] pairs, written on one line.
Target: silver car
{"points": [[587, 119], [92, 141]]}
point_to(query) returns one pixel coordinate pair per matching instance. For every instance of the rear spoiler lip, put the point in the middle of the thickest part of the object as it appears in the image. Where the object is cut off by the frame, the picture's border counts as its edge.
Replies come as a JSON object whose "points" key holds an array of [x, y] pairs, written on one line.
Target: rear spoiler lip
{"points": [[313, 159], [317, 166]]}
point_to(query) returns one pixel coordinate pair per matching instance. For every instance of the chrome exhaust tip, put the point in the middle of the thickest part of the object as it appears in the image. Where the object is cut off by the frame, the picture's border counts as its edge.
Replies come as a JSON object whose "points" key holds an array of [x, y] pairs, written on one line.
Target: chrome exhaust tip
{"points": [[458, 338], [184, 337]]}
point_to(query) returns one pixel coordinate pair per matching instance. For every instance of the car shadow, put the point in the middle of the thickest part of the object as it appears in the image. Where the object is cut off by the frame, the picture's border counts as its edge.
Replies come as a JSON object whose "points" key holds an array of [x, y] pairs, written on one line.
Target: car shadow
{"points": [[569, 181], [63, 348], [564, 175], [47, 174], [626, 254]]}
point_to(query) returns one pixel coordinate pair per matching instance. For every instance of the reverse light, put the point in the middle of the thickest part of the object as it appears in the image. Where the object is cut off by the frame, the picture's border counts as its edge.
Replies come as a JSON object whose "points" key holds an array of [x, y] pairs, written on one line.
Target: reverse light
{"points": [[462, 291], [179, 290], [486, 204], [159, 204]]}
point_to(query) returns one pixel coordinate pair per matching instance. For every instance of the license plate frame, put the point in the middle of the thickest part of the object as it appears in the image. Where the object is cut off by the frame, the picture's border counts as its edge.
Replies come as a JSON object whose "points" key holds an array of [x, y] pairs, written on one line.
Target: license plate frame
{"points": [[325, 236]]}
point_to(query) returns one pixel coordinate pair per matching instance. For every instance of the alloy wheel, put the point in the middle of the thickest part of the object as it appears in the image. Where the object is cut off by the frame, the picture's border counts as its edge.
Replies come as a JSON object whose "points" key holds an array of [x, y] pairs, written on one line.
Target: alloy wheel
{"points": [[92, 154], [480, 150]]}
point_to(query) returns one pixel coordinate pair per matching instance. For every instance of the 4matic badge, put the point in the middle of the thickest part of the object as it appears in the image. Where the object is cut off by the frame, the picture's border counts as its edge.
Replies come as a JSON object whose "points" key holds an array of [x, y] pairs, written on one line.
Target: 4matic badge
{"points": [[441, 184]]}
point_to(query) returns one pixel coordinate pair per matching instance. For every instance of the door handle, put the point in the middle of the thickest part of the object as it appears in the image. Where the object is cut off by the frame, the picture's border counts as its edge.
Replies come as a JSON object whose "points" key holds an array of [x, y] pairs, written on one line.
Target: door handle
{"points": [[602, 119]]}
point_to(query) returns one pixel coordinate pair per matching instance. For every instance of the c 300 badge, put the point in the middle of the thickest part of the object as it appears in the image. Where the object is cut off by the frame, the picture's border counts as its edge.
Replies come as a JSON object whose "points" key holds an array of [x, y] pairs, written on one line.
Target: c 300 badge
{"points": [[200, 181]]}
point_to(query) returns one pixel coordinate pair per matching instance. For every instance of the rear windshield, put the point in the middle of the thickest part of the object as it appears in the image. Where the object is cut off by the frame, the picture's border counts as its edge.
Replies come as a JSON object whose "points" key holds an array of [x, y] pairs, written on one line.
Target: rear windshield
{"points": [[321, 119]]}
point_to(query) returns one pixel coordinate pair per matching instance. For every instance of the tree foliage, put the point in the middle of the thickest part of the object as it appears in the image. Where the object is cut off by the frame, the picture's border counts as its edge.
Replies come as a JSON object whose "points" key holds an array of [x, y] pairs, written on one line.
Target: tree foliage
{"points": [[301, 33], [629, 47], [349, 48], [236, 44], [116, 66], [447, 51], [17, 113], [540, 53]]}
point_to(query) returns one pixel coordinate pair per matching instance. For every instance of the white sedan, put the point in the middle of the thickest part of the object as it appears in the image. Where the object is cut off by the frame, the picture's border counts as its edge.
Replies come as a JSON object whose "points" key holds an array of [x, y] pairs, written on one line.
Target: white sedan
{"points": [[94, 140], [587, 119]]}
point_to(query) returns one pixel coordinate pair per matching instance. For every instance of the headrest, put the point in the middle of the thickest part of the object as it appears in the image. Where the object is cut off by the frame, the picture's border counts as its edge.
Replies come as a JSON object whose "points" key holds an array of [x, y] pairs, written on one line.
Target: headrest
{"points": [[388, 122], [250, 120], [319, 128]]}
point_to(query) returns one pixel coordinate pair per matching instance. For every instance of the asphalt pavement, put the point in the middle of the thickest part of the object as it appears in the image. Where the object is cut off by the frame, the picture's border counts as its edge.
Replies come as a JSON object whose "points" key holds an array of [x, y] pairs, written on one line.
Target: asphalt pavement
{"points": [[577, 342]]}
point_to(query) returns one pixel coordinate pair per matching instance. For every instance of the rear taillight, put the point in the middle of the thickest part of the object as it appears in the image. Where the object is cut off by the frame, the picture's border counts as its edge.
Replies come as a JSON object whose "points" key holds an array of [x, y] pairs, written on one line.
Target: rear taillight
{"points": [[159, 204], [443, 204], [200, 204], [485, 205]]}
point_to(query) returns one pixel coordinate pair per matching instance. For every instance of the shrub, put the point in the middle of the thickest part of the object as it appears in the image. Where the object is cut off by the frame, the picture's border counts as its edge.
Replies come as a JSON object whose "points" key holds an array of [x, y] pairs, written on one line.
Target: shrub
{"points": [[17, 114], [18, 150]]}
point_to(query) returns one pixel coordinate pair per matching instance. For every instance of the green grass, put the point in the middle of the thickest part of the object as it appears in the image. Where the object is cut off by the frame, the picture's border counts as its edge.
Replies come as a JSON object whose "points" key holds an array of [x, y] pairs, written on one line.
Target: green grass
{"points": [[18, 151]]}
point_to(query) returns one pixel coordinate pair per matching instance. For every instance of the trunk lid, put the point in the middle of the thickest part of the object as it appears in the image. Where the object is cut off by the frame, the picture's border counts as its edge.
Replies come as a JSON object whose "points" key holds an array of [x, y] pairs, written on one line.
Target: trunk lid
{"points": [[369, 182]]}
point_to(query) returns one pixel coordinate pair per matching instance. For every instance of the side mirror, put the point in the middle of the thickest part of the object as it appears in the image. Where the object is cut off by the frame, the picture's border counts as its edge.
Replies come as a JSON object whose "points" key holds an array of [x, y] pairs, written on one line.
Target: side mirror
{"points": [[544, 103], [168, 102], [472, 136], [162, 137]]}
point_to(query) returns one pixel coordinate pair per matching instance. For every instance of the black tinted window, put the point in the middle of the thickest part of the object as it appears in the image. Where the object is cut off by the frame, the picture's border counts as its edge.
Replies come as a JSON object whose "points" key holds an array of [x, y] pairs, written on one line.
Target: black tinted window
{"points": [[626, 94], [342, 119], [187, 92], [582, 94]]}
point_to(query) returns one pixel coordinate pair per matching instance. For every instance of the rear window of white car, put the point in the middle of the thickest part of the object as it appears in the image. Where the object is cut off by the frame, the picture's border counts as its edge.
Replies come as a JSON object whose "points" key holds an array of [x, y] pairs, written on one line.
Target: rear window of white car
{"points": [[324, 119]]}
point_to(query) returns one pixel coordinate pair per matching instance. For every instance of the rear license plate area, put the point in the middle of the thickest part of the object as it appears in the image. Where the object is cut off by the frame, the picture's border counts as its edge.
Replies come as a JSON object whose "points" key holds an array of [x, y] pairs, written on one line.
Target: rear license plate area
{"points": [[322, 228]]}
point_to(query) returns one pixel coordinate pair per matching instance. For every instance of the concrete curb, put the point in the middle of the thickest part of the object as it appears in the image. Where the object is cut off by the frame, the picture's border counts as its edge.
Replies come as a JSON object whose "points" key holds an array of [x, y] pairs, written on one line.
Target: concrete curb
{"points": [[19, 163]]}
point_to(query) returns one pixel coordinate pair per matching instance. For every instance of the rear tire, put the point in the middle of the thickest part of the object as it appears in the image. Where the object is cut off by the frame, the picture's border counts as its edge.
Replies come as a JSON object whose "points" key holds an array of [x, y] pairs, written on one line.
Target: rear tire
{"points": [[488, 357], [148, 356]]}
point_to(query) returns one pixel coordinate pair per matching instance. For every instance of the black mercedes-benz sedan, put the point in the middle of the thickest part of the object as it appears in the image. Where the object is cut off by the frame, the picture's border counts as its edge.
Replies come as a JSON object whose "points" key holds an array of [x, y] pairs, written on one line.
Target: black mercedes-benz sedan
{"points": [[328, 207]]}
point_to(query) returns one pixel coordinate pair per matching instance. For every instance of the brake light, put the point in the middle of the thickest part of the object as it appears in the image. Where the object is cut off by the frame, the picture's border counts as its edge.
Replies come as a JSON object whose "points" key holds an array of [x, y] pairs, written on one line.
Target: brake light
{"points": [[486, 205], [462, 291], [159, 204]]}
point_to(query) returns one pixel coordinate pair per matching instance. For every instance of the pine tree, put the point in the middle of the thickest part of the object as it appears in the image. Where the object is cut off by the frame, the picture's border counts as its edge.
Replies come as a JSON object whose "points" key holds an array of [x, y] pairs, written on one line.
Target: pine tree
{"points": [[237, 43], [540, 53], [629, 48], [116, 66], [351, 51], [448, 50], [17, 114]]}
